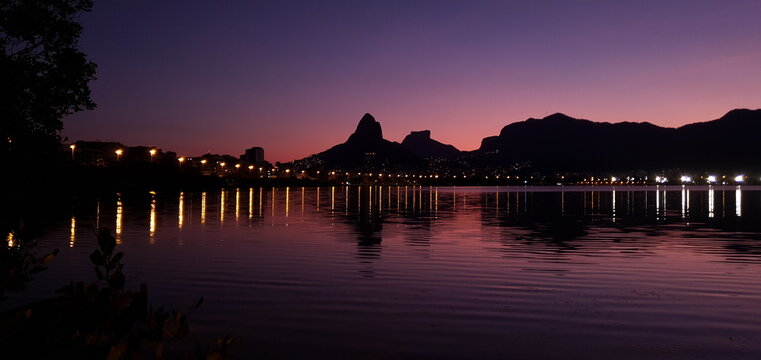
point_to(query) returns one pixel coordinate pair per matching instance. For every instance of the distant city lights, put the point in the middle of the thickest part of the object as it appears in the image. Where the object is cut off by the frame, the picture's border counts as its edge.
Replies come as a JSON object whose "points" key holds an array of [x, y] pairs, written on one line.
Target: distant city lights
{"points": [[711, 178], [740, 178], [685, 179]]}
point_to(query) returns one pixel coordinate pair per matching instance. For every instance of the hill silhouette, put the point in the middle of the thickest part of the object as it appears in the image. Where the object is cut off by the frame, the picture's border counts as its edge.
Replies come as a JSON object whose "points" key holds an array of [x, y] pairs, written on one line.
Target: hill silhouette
{"points": [[560, 142], [420, 143], [365, 149]]}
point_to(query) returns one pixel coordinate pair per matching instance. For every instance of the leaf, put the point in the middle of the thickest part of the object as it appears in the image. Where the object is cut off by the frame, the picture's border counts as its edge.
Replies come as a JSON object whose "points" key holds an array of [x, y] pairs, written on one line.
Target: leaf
{"points": [[116, 352], [106, 242], [99, 274], [97, 258], [198, 303], [47, 258]]}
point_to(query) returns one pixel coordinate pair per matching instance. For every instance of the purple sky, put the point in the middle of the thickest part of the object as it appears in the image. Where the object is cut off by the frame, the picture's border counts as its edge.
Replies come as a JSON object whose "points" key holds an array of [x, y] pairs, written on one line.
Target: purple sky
{"points": [[295, 77]]}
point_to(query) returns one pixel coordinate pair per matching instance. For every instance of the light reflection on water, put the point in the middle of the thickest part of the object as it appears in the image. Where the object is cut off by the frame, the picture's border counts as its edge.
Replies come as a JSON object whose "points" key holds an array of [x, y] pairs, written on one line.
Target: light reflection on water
{"points": [[411, 271]]}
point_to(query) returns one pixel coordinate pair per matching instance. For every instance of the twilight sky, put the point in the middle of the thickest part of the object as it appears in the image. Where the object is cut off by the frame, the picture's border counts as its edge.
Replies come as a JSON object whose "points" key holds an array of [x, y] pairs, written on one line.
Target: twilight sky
{"points": [[295, 77]]}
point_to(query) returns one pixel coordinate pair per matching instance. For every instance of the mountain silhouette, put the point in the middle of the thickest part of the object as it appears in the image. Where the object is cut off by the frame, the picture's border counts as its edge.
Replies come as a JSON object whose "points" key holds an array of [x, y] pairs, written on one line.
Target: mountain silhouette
{"points": [[366, 150], [420, 143], [368, 130], [730, 142], [560, 142]]}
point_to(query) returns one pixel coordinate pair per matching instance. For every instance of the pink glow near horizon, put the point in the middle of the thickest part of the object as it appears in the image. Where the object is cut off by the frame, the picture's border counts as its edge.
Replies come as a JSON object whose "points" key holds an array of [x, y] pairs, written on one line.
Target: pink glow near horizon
{"points": [[299, 84]]}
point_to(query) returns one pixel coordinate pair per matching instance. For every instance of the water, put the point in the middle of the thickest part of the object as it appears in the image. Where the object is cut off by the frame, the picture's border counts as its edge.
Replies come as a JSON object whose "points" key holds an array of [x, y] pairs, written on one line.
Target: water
{"points": [[410, 272]]}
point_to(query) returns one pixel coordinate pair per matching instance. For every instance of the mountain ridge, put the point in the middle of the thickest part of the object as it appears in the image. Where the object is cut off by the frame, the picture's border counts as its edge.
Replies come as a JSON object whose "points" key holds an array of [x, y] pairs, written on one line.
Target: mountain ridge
{"points": [[559, 142]]}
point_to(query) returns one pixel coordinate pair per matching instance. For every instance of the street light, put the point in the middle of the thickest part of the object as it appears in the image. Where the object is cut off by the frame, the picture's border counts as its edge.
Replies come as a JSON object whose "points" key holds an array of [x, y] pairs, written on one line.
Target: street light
{"points": [[119, 153], [72, 147], [152, 152], [203, 162]]}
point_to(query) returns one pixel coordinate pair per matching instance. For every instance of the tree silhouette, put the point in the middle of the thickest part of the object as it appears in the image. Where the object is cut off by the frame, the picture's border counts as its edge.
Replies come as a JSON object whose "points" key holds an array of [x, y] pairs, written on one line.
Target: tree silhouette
{"points": [[43, 74]]}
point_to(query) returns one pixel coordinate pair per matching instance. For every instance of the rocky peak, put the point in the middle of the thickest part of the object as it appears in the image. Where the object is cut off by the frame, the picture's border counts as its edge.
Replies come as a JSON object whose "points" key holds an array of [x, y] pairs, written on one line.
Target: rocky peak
{"points": [[367, 130], [418, 135]]}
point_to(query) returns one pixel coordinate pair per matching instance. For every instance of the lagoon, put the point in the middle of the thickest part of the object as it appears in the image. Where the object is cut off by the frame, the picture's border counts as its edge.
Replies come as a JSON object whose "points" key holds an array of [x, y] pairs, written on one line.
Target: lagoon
{"points": [[397, 272]]}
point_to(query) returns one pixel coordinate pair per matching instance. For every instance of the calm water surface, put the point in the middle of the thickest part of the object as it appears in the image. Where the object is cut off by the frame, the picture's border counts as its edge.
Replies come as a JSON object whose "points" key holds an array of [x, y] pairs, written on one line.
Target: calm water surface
{"points": [[411, 272]]}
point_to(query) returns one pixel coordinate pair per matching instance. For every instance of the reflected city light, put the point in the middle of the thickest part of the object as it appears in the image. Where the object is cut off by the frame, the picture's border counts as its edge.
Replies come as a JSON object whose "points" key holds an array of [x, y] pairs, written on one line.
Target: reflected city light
{"points": [[237, 204], [181, 210], [287, 199], [152, 222], [73, 232], [119, 212], [250, 203], [222, 196], [738, 202], [332, 198], [657, 202], [436, 202], [97, 215], [203, 207], [614, 204], [710, 203]]}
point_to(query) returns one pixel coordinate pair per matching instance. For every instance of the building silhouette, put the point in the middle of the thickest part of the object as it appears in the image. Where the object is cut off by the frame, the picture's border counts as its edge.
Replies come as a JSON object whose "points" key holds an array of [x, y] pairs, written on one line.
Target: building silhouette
{"points": [[254, 155]]}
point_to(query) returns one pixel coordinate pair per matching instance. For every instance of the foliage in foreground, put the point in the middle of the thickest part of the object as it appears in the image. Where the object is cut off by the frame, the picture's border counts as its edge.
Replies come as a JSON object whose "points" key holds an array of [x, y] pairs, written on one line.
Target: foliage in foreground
{"points": [[102, 321]]}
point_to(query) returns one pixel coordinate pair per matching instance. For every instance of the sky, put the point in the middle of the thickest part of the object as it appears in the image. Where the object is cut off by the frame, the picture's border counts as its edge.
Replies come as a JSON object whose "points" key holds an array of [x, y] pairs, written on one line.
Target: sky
{"points": [[295, 77]]}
